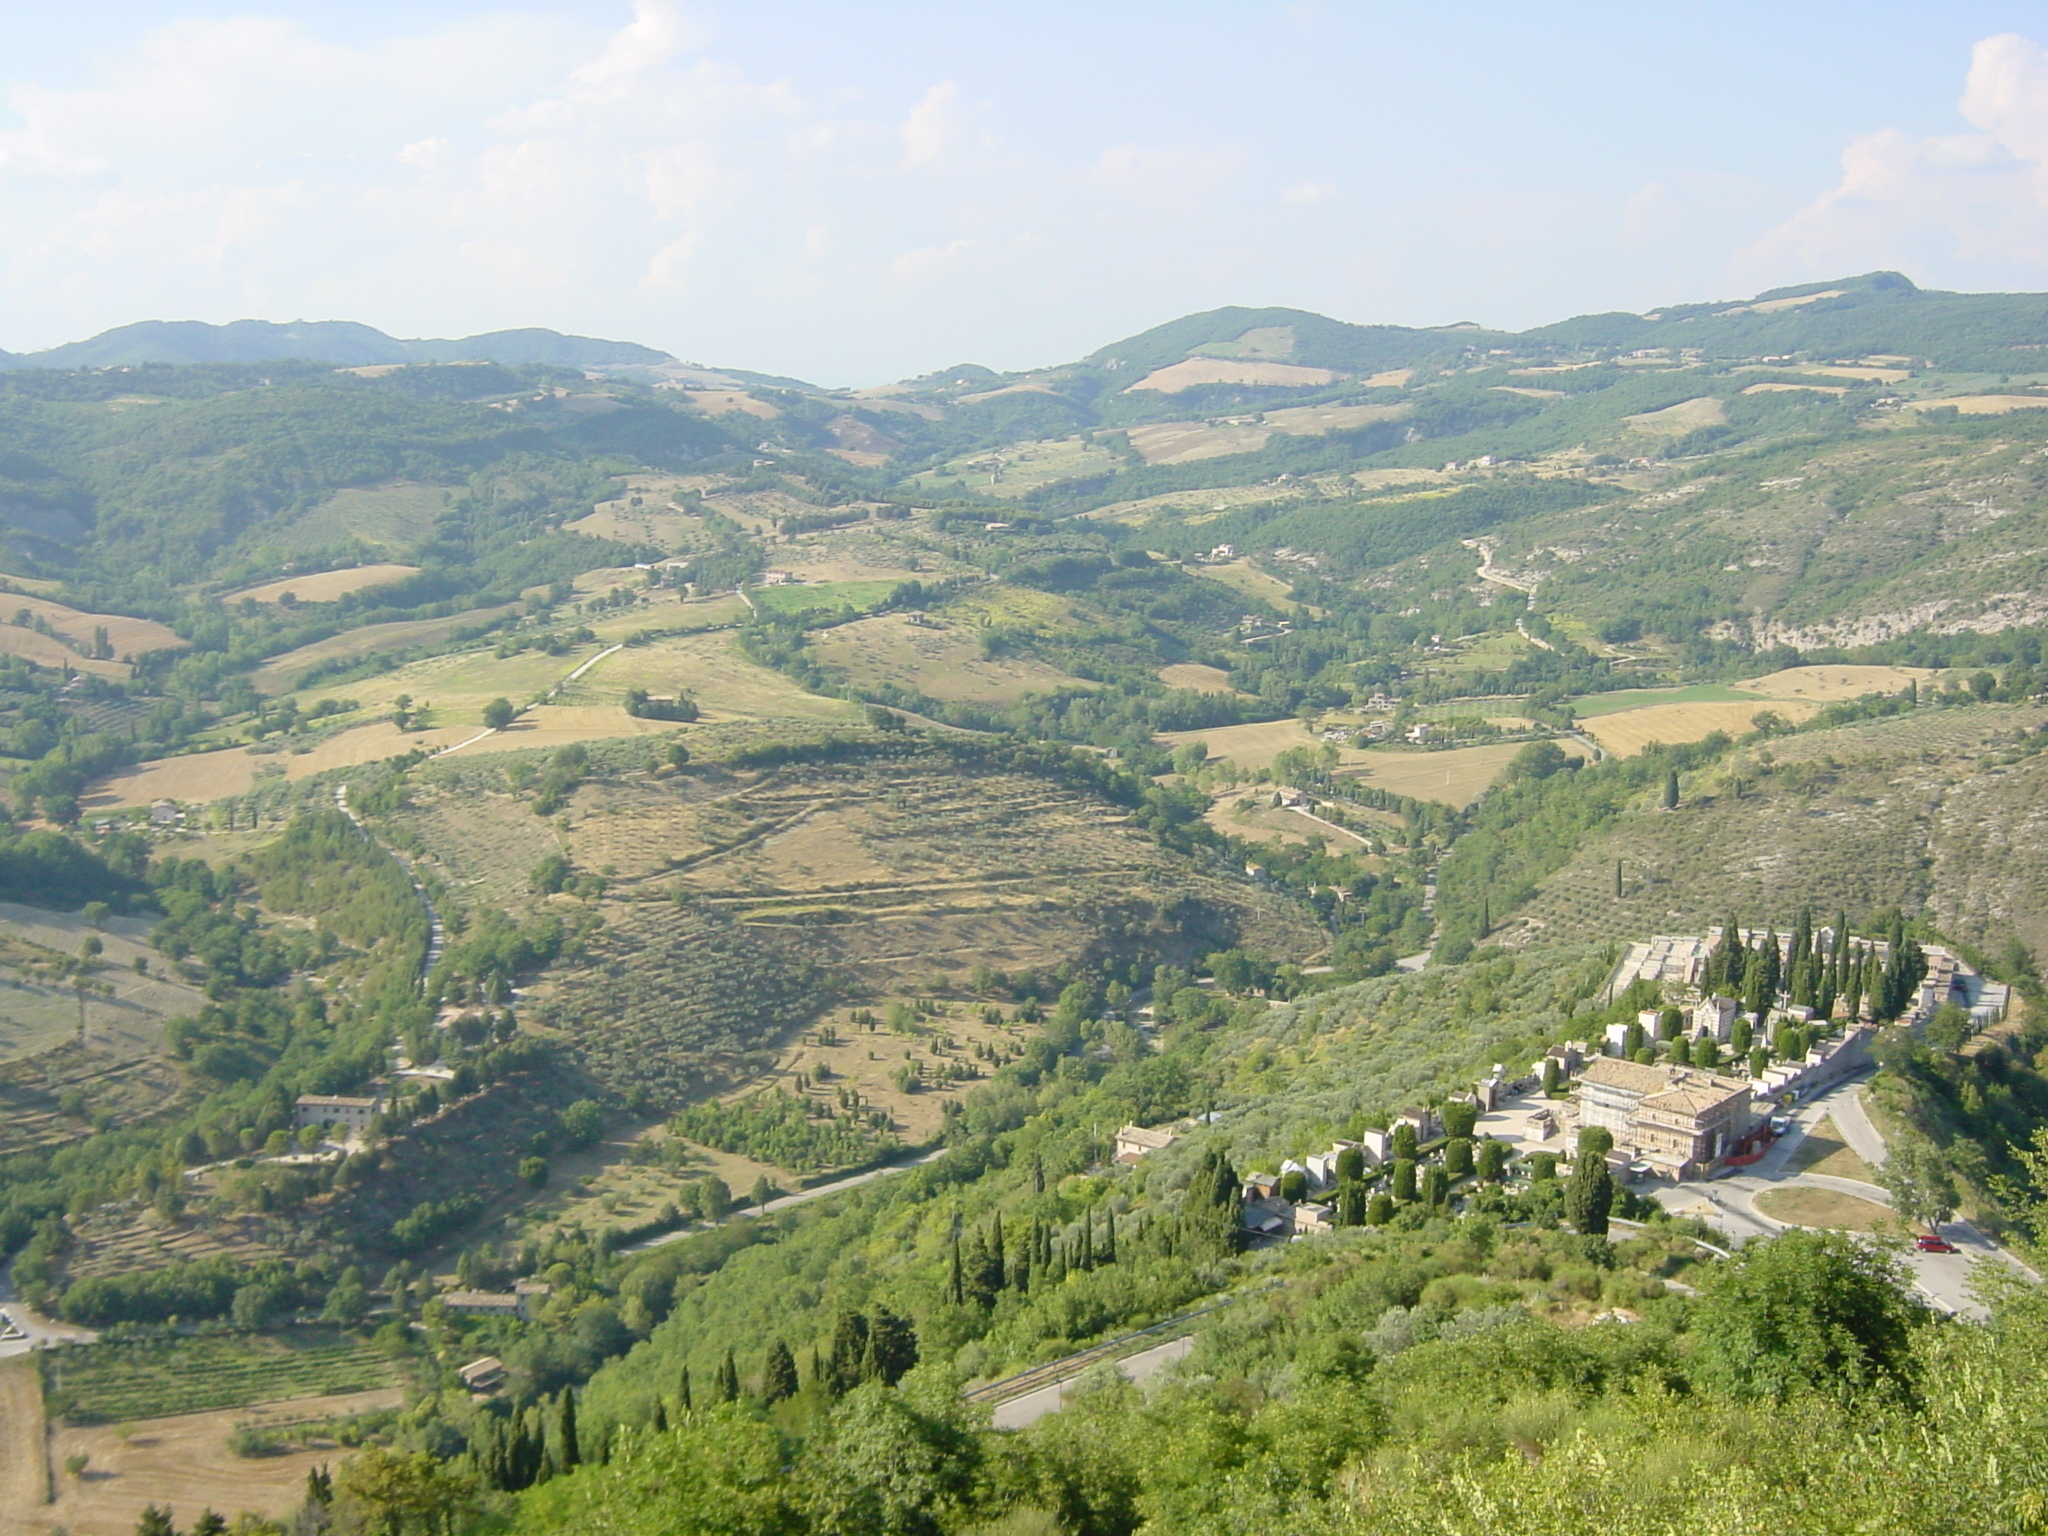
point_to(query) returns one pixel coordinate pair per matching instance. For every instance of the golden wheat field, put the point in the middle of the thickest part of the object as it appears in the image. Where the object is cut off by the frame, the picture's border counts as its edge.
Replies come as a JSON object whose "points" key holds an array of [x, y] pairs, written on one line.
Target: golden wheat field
{"points": [[324, 586]]}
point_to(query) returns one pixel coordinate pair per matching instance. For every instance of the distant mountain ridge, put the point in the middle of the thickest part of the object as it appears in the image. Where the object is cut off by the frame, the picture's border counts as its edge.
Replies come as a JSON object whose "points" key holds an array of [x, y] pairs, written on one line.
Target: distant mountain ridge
{"points": [[345, 343]]}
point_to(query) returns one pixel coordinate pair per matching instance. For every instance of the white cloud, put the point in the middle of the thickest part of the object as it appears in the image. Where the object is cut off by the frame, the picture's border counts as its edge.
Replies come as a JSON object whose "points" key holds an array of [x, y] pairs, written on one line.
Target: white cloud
{"points": [[1972, 205], [932, 127], [1310, 192], [425, 154], [1170, 174], [932, 261]]}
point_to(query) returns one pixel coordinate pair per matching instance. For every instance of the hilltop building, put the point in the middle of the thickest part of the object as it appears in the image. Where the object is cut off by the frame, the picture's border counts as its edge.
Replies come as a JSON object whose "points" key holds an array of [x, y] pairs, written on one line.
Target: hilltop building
{"points": [[1680, 1120]]}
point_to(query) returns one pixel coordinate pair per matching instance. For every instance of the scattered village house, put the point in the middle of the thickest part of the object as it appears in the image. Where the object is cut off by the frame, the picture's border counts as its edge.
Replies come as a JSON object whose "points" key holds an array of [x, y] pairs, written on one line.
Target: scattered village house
{"points": [[483, 1376], [1134, 1142], [348, 1115]]}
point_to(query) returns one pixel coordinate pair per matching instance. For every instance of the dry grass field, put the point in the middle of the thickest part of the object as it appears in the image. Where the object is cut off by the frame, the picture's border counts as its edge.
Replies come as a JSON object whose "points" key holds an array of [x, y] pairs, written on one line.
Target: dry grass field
{"points": [[390, 517], [1984, 405], [1458, 776], [325, 586], [280, 673], [1195, 507], [939, 658], [1175, 377], [1196, 678], [1253, 816], [37, 1011], [1392, 378], [1019, 468], [184, 1462], [1866, 375], [1185, 442], [1628, 731], [1806, 1207], [1824, 1151], [1678, 420], [1384, 479], [1247, 578]]}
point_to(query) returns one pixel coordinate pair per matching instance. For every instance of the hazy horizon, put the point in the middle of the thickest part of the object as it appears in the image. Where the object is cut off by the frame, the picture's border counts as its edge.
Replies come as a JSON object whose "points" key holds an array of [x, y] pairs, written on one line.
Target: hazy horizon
{"points": [[856, 194]]}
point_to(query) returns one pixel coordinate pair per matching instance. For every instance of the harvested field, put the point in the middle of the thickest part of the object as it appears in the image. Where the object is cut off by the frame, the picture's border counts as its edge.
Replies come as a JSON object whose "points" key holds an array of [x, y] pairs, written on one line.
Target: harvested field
{"points": [[1248, 746], [1185, 442], [280, 674], [24, 1456], [1629, 731], [324, 586], [1812, 389], [1383, 479], [726, 402], [1020, 468], [1867, 375], [1830, 684], [1314, 420], [657, 520], [55, 654], [1808, 1207], [1455, 777], [1678, 420], [184, 1462], [1176, 377], [193, 779], [1195, 507], [938, 658], [1984, 405], [1533, 394], [1392, 378], [1196, 678]]}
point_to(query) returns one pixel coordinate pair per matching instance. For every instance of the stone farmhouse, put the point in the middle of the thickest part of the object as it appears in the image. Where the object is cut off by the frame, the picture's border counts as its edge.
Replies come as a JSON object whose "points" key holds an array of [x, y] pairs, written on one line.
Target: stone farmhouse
{"points": [[349, 1115]]}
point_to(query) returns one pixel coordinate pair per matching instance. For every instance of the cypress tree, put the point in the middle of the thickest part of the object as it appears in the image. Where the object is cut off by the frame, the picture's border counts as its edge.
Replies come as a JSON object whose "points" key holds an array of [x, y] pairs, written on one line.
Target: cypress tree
{"points": [[683, 1391], [1109, 1237], [892, 1346], [1589, 1194], [1404, 1179], [660, 1417], [956, 1288], [156, 1521], [778, 1374], [1774, 972], [849, 1351], [728, 1379], [572, 1449], [1671, 790]]}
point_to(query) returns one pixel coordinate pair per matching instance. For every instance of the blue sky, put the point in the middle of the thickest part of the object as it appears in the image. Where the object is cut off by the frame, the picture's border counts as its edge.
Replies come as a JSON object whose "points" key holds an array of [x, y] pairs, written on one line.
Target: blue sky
{"points": [[859, 192]]}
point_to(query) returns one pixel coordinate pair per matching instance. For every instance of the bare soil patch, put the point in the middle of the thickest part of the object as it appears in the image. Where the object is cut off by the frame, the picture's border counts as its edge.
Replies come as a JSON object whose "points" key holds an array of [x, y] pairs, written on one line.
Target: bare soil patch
{"points": [[1176, 377], [324, 586], [24, 1464], [1392, 378], [184, 1462], [1314, 420], [1248, 746]]}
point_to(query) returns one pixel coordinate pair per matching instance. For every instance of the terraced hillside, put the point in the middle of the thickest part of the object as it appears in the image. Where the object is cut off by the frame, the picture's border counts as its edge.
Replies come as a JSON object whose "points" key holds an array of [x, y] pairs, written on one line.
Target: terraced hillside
{"points": [[741, 902], [1942, 811]]}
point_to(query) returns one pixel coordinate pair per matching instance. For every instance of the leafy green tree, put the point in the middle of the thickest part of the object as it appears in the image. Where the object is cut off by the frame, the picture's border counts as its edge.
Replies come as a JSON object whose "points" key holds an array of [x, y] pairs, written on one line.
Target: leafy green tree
{"points": [[1806, 1312], [1404, 1142], [1350, 1165], [1379, 1210], [499, 713], [1918, 1178], [1404, 1179], [398, 1493], [1492, 1158], [349, 1301], [155, 1520]]}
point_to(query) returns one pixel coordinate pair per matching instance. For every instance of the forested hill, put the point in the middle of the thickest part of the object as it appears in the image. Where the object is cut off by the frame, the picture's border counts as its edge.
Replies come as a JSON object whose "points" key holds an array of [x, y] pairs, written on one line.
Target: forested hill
{"points": [[341, 342]]}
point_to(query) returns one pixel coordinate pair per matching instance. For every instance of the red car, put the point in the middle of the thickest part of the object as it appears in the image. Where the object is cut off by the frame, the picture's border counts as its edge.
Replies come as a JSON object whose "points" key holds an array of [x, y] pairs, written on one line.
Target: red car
{"points": [[1929, 1242]]}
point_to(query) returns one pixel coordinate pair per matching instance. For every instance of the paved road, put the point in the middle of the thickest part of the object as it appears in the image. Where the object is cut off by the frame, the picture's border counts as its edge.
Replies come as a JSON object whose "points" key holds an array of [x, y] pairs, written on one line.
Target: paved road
{"points": [[787, 1202], [1944, 1279], [27, 1329], [1033, 1406]]}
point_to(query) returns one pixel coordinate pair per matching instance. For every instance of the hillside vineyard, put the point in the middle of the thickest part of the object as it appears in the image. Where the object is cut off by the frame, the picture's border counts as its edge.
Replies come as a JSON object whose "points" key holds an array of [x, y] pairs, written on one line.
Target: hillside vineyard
{"points": [[1287, 927]]}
